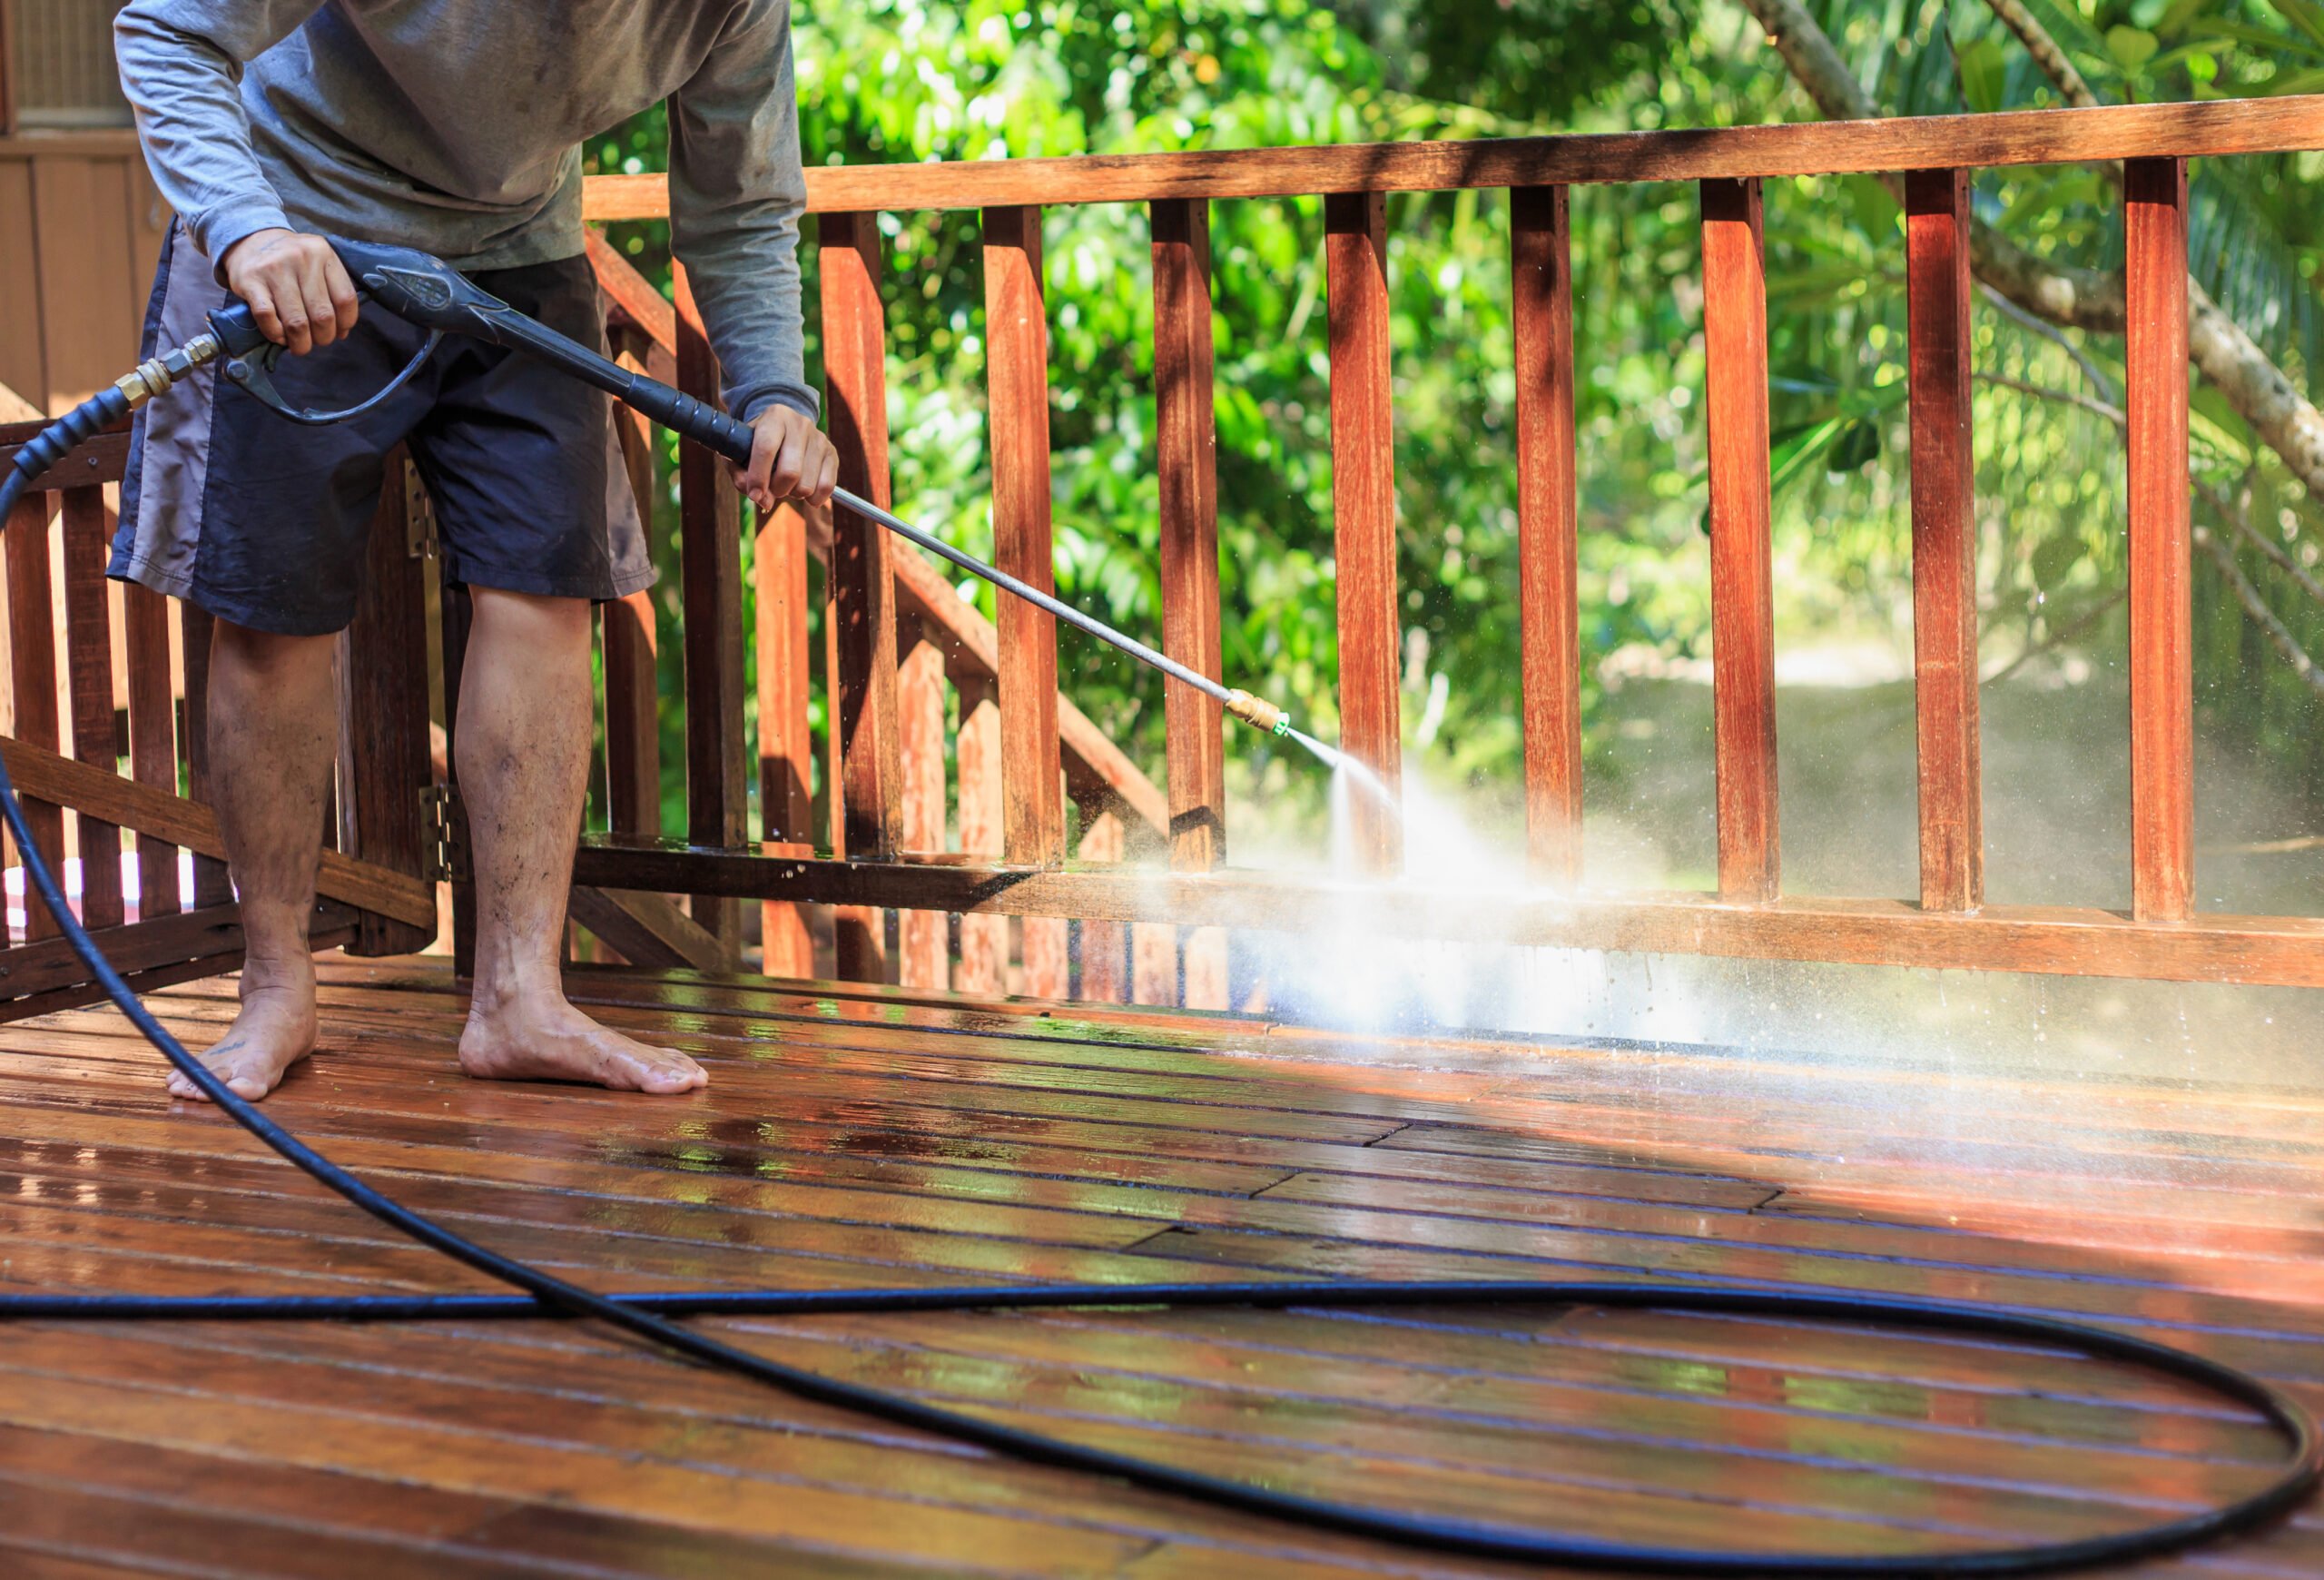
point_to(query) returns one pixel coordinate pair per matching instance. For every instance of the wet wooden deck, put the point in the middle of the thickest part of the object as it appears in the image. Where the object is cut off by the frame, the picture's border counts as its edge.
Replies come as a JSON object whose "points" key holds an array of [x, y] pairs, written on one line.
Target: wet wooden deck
{"points": [[869, 1140]]}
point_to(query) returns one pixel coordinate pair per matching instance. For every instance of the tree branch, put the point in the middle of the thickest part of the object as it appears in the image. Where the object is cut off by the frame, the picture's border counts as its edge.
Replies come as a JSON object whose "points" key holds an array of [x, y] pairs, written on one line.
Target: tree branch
{"points": [[2016, 315], [2262, 615], [2078, 297], [2240, 520], [2112, 414], [2045, 52]]}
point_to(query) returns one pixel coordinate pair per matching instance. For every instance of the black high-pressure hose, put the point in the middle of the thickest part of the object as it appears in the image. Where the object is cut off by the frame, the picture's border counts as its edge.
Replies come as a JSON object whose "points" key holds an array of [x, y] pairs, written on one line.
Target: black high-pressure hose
{"points": [[653, 1316]]}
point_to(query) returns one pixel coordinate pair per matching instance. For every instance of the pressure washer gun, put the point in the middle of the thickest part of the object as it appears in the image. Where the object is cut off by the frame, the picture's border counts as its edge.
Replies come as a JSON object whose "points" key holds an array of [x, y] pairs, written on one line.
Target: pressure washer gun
{"points": [[427, 294]]}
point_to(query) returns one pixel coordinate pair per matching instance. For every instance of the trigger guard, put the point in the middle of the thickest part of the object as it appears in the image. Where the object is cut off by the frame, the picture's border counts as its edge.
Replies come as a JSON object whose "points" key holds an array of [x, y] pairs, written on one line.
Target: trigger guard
{"points": [[254, 374]]}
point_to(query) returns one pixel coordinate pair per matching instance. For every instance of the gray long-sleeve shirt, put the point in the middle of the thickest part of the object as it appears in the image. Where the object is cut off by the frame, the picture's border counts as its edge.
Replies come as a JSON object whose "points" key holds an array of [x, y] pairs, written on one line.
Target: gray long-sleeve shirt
{"points": [[454, 126]]}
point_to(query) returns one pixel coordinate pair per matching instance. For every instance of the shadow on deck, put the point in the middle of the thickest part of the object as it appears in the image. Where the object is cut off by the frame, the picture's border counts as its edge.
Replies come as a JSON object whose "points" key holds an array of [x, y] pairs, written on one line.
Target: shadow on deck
{"points": [[871, 1137]]}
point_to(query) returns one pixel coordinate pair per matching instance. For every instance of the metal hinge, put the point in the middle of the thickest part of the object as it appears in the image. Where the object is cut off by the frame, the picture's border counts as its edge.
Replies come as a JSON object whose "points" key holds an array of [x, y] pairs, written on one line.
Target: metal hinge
{"points": [[443, 835]]}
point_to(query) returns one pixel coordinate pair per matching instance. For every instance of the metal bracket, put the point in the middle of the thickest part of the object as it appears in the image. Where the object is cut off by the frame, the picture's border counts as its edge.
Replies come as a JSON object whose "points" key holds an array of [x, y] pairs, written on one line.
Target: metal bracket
{"points": [[444, 835]]}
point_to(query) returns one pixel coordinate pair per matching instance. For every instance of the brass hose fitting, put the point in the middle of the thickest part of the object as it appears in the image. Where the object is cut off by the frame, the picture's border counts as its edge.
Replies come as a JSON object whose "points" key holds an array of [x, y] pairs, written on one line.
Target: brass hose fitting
{"points": [[157, 374], [1259, 712]]}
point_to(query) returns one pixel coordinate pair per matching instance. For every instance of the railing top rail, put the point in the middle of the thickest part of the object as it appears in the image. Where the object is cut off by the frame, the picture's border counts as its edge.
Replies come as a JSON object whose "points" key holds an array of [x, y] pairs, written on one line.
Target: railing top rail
{"points": [[2220, 126]]}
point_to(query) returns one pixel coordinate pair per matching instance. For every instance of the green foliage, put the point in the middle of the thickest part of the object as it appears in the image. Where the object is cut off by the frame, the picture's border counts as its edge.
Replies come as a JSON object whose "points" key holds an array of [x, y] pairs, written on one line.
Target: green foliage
{"points": [[895, 80]]}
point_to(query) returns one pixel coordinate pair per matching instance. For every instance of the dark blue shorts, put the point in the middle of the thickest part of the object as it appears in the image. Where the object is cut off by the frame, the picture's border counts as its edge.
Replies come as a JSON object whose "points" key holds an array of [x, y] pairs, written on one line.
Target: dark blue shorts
{"points": [[264, 523]]}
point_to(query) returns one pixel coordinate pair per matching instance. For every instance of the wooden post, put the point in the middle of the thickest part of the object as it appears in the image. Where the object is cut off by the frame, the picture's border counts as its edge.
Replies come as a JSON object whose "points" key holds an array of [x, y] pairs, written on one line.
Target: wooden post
{"points": [[1187, 461], [2162, 686], [1742, 573], [924, 954], [383, 748], [31, 670], [1032, 774], [863, 605], [786, 744], [630, 633], [1364, 516], [984, 938], [1944, 540], [711, 570], [154, 739], [1548, 595], [88, 651]]}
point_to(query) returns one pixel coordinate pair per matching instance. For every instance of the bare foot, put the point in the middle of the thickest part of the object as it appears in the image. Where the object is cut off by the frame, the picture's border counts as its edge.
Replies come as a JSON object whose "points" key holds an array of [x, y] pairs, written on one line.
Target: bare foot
{"points": [[553, 1041], [274, 1031]]}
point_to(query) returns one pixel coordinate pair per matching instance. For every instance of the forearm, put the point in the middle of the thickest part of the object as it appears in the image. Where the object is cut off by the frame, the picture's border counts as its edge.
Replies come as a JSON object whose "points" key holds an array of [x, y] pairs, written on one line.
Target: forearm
{"points": [[181, 67], [746, 280]]}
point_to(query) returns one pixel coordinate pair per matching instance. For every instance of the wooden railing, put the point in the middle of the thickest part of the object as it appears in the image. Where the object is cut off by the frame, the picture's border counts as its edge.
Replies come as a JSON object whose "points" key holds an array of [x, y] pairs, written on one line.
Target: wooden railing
{"points": [[1144, 905], [881, 852]]}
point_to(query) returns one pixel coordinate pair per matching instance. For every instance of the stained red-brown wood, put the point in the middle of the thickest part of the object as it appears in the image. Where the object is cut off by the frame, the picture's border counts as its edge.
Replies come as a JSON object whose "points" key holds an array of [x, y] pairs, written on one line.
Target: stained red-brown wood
{"points": [[630, 631], [2060, 136], [1742, 573], [924, 958], [1363, 518], [901, 1140], [1186, 472], [1105, 945], [862, 604], [2162, 687], [88, 648], [983, 966], [32, 673], [211, 884], [786, 742], [454, 615], [153, 737], [384, 760], [1548, 589], [1016, 377], [710, 569], [1944, 540]]}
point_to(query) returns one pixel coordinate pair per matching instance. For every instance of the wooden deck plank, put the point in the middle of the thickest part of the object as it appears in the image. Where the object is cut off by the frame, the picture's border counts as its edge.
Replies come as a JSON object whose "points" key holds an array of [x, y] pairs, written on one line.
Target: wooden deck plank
{"points": [[869, 1137]]}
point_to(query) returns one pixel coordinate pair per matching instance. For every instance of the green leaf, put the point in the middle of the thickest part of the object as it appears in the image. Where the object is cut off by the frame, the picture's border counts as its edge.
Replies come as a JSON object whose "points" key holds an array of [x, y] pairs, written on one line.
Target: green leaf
{"points": [[1983, 71], [2055, 560], [2133, 46], [2308, 15], [1857, 448]]}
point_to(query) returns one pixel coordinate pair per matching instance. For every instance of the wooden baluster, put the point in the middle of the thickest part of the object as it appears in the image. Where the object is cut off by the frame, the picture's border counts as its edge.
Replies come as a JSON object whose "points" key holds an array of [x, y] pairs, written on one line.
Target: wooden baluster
{"points": [[454, 612], [863, 600], [1105, 945], [630, 633], [1033, 774], [1548, 610], [711, 570], [1154, 965], [1186, 462], [153, 738], [88, 649], [1742, 577], [383, 747], [2162, 684], [923, 953], [32, 668], [786, 744], [211, 885], [1944, 540], [1364, 517], [984, 939]]}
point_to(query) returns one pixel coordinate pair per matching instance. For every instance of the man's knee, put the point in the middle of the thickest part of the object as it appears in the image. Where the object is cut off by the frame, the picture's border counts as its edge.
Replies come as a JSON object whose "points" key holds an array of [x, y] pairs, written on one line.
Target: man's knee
{"points": [[530, 615], [268, 652]]}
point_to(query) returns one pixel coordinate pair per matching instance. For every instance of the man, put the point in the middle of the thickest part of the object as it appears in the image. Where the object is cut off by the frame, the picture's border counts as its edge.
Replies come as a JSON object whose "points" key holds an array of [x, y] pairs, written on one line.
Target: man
{"points": [[451, 126]]}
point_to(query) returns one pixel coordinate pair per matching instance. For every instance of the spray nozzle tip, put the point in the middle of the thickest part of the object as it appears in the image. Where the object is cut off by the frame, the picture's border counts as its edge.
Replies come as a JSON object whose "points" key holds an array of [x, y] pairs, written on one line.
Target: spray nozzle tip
{"points": [[1257, 712]]}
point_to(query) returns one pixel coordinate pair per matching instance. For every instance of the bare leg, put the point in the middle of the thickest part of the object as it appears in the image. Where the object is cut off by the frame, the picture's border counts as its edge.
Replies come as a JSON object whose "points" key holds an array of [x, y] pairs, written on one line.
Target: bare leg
{"points": [[273, 730], [524, 762]]}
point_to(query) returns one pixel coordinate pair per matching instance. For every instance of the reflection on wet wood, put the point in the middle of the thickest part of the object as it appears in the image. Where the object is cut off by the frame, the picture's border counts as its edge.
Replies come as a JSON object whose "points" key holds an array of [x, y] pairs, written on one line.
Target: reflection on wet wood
{"points": [[860, 1134]]}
